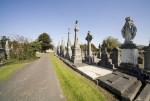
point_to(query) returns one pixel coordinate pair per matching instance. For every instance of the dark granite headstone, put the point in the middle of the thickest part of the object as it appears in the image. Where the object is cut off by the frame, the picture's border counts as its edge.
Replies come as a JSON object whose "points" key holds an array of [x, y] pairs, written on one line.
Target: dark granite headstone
{"points": [[147, 59]]}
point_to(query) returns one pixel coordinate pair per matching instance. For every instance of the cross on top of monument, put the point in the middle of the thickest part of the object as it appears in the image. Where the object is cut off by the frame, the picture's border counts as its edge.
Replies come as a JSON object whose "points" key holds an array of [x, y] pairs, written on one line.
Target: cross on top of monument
{"points": [[89, 36], [76, 26]]}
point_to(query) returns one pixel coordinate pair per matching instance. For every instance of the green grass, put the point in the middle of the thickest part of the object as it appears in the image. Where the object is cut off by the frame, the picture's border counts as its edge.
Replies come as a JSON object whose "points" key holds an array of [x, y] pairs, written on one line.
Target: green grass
{"points": [[75, 86], [11, 68]]}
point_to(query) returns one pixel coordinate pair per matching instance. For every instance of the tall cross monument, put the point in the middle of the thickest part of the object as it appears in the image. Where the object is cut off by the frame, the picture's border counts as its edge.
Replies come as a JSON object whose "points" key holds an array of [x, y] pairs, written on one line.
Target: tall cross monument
{"points": [[76, 53]]}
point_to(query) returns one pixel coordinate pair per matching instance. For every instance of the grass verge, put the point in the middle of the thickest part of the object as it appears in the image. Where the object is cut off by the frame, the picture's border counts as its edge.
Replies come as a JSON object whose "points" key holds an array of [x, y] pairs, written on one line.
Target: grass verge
{"points": [[75, 86], [11, 68]]}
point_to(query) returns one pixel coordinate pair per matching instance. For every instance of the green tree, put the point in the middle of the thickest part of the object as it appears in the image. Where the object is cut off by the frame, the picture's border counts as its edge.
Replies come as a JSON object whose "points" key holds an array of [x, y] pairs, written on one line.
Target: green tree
{"points": [[46, 42], [36, 45], [111, 43]]}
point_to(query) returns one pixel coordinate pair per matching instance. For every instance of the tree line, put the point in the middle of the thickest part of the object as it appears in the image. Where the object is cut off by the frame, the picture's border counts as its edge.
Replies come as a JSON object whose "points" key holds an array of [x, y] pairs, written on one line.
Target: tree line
{"points": [[22, 49]]}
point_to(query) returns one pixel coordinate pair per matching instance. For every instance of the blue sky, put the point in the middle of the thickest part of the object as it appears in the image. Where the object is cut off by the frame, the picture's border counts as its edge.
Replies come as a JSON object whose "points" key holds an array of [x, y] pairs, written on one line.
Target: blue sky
{"points": [[103, 18]]}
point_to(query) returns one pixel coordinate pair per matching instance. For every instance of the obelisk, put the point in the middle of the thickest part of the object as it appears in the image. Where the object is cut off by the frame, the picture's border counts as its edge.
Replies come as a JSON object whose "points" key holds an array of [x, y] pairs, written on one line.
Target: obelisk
{"points": [[69, 51]]}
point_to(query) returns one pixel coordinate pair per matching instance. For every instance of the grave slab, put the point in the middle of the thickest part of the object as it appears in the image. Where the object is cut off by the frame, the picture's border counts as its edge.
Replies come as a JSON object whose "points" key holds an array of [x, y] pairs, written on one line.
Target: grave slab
{"points": [[145, 94], [121, 84]]}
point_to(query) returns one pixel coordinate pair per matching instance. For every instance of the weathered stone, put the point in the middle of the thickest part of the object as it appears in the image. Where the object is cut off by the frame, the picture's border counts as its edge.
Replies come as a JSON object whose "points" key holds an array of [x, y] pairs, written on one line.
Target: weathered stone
{"points": [[129, 51], [99, 51], [105, 59], [7, 49], [147, 59], [69, 51], [2, 55], [115, 56], [145, 94], [128, 31], [89, 51], [76, 53], [121, 84], [129, 56]]}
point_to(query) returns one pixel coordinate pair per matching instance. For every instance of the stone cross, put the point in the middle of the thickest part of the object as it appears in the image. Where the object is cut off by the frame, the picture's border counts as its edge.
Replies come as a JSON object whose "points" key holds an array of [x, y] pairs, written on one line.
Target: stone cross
{"points": [[76, 52], [76, 30], [89, 51], [89, 39]]}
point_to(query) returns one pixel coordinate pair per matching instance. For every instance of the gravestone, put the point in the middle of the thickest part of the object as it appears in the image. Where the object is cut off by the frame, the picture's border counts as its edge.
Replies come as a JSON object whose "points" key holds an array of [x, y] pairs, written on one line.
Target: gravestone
{"points": [[7, 49], [121, 84], [62, 49], [2, 55], [144, 94], [147, 59], [129, 51], [105, 61], [69, 51], [99, 51], [58, 48], [89, 51], [115, 56], [76, 53]]}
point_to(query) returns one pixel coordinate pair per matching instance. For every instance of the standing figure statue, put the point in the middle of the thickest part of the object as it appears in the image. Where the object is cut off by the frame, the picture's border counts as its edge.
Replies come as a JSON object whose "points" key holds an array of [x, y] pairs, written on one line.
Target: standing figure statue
{"points": [[129, 30]]}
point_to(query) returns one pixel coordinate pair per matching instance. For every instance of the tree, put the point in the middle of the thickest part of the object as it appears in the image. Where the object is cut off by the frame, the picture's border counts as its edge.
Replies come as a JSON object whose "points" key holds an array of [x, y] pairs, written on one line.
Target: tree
{"points": [[36, 45], [111, 43], [46, 42]]}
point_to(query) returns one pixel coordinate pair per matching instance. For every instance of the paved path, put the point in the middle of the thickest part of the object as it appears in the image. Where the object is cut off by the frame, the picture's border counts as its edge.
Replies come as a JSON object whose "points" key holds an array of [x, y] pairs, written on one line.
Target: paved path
{"points": [[36, 82]]}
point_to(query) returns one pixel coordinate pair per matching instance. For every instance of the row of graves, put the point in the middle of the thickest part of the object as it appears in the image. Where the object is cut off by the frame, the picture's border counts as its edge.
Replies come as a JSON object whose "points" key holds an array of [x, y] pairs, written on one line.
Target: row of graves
{"points": [[4, 52], [127, 80]]}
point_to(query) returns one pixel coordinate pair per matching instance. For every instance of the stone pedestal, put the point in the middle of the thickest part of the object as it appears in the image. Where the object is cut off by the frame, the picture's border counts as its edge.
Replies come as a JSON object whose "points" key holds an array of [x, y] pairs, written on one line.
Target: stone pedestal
{"points": [[129, 56], [76, 56], [147, 59]]}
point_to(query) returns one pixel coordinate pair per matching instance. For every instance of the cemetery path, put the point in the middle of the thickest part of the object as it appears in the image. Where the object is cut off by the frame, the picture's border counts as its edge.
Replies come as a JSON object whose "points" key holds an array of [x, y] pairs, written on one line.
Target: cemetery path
{"points": [[36, 82]]}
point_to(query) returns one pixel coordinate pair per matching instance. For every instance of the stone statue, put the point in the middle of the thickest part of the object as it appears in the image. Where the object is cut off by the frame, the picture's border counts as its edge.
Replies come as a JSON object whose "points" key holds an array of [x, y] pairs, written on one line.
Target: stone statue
{"points": [[129, 30]]}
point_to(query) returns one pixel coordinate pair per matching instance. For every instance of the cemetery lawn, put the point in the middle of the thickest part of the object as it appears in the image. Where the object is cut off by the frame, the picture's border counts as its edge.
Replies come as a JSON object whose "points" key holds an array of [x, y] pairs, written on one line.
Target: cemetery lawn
{"points": [[8, 70], [77, 87]]}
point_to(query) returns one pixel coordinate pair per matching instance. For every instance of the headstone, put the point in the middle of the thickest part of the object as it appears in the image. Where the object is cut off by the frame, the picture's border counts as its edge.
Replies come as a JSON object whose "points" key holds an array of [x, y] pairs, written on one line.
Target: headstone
{"points": [[147, 59], [69, 51], [89, 51], [105, 61], [7, 49], [2, 55], [58, 49], [62, 49], [76, 53], [99, 51], [129, 51], [115, 56]]}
